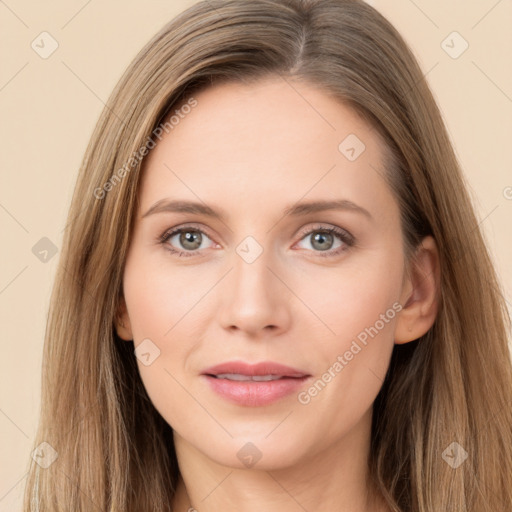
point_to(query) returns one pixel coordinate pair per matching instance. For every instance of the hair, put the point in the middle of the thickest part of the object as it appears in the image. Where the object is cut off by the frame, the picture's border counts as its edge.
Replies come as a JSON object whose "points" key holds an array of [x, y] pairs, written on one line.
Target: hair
{"points": [[454, 384]]}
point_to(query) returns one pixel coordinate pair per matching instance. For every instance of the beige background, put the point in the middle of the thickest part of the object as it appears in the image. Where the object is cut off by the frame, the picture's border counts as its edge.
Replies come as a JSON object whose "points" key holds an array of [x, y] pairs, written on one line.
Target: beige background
{"points": [[49, 107]]}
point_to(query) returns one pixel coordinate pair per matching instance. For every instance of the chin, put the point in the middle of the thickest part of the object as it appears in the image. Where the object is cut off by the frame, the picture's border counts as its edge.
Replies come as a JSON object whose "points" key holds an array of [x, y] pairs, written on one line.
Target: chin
{"points": [[256, 453]]}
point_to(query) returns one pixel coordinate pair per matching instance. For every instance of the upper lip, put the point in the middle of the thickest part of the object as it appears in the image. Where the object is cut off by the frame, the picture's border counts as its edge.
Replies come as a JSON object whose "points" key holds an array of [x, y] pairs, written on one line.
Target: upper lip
{"points": [[263, 368]]}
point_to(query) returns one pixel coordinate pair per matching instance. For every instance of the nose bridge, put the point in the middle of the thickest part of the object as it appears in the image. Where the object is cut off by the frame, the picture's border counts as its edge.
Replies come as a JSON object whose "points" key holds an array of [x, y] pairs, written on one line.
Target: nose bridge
{"points": [[252, 295], [251, 271]]}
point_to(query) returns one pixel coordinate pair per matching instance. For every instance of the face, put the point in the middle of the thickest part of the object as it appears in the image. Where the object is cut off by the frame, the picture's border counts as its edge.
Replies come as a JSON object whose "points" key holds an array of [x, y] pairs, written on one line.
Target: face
{"points": [[255, 276]]}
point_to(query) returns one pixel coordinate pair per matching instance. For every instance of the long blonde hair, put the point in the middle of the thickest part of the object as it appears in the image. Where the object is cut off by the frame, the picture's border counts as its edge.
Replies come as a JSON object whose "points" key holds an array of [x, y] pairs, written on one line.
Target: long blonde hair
{"points": [[453, 385]]}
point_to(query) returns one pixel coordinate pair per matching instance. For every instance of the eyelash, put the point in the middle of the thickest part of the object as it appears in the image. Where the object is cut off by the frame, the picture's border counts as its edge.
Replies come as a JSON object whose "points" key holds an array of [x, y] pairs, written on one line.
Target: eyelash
{"points": [[342, 234]]}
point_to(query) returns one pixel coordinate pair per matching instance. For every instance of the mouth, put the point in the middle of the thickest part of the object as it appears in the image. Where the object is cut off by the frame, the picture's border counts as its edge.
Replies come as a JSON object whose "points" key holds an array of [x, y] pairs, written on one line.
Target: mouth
{"points": [[254, 378], [254, 385], [267, 370]]}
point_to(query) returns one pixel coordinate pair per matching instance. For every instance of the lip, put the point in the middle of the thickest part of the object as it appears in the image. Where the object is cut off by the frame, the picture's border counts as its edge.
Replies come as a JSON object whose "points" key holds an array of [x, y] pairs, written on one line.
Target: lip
{"points": [[254, 393], [263, 368]]}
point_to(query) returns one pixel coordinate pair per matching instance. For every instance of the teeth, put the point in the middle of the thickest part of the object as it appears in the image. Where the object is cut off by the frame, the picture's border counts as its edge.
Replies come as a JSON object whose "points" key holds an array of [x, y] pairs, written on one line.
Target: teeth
{"points": [[237, 376]]}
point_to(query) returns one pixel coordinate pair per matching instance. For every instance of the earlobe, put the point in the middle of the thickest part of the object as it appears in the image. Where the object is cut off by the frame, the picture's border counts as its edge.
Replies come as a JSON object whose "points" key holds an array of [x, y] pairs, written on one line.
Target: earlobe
{"points": [[420, 297], [122, 321]]}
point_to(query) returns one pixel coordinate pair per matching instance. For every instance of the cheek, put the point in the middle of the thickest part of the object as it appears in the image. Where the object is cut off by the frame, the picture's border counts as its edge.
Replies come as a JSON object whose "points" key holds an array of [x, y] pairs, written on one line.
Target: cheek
{"points": [[164, 304], [360, 306], [159, 306], [159, 296], [353, 297]]}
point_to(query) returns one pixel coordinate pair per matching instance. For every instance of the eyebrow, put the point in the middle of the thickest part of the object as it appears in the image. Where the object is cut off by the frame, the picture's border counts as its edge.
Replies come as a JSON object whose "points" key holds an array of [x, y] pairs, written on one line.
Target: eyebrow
{"points": [[296, 210]]}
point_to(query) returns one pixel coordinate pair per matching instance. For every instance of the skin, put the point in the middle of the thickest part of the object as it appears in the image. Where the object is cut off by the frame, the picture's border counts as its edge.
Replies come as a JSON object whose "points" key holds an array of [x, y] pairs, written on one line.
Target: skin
{"points": [[249, 151]]}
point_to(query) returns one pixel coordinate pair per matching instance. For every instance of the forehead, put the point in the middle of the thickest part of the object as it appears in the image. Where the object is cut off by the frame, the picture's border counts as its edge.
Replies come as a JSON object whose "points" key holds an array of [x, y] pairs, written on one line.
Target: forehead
{"points": [[274, 138]]}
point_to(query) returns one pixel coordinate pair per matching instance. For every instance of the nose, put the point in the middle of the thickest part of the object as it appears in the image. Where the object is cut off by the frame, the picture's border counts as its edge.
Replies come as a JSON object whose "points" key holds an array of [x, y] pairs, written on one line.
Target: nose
{"points": [[255, 298]]}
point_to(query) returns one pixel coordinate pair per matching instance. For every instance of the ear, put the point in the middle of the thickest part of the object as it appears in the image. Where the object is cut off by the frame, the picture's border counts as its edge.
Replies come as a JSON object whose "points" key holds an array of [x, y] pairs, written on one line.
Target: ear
{"points": [[122, 321], [420, 293]]}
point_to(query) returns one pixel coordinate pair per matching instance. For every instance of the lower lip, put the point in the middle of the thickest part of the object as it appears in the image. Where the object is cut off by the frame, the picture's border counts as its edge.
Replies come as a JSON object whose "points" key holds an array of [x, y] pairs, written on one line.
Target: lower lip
{"points": [[255, 393]]}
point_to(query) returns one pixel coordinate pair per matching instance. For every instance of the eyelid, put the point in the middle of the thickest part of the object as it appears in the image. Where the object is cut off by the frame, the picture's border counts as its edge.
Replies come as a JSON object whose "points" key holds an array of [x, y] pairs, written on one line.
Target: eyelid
{"points": [[339, 231], [169, 233], [182, 227]]}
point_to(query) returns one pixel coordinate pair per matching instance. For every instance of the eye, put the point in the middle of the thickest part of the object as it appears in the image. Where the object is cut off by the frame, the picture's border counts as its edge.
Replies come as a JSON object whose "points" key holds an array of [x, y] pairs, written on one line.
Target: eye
{"points": [[186, 241], [324, 239], [188, 238]]}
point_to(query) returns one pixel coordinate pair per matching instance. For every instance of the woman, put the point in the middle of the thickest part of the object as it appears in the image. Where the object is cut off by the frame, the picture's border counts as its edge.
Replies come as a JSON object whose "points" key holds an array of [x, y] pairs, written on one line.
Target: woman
{"points": [[273, 291]]}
